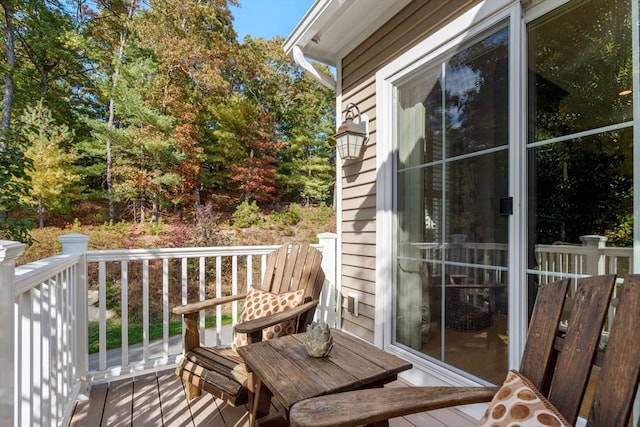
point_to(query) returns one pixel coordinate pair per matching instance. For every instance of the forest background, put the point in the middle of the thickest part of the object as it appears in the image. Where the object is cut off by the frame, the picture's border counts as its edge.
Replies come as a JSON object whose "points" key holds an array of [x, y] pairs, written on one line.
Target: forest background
{"points": [[152, 118]]}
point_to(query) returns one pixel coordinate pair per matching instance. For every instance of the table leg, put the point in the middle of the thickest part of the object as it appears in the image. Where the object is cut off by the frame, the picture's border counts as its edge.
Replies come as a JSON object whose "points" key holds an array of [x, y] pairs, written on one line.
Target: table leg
{"points": [[259, 399]]}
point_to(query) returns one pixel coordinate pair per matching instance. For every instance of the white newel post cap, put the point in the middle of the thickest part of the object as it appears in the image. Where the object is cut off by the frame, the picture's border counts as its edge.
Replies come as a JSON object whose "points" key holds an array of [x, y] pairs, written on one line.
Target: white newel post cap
{"points": [[10, 250], [593, 240], [74, 243]]}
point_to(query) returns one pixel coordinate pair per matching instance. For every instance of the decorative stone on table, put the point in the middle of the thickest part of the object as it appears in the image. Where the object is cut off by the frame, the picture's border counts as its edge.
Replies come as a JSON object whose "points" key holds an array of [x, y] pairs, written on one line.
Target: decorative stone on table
{"points": [[319, 340]]}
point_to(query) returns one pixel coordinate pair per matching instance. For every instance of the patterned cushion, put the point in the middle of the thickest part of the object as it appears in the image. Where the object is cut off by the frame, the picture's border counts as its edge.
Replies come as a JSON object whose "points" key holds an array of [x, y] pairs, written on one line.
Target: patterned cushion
{"points": [[519, 403], [260, 304]]}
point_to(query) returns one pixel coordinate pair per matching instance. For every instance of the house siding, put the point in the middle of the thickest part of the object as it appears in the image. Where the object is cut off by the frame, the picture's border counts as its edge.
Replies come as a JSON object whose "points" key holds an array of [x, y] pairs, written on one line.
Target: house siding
{"points": [[411, 25]]}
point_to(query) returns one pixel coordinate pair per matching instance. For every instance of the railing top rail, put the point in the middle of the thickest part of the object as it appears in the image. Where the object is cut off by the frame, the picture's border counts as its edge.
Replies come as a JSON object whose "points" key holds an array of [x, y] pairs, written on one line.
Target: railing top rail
{"points": [[562, 249], [580, 250], [31, 275], [167, 253], [466, 245], [628, 252]]}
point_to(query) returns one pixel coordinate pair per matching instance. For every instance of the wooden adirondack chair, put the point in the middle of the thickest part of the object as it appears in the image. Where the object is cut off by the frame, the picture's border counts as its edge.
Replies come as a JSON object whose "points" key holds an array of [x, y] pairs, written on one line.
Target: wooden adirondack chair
{"points": [[220, 370], [557, 364]]}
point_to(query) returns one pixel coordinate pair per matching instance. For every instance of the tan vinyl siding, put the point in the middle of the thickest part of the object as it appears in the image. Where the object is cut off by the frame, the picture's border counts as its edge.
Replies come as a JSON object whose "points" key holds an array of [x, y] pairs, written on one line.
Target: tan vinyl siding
{"points": [[358, 191], [368, 239], [410, 26], [359, 249], [355, 203]]}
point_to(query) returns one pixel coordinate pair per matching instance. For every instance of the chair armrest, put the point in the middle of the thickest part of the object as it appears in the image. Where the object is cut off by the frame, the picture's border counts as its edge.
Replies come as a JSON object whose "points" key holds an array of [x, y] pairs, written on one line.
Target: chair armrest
{"points": [[255, 325], [208, 303], [360, 407]]}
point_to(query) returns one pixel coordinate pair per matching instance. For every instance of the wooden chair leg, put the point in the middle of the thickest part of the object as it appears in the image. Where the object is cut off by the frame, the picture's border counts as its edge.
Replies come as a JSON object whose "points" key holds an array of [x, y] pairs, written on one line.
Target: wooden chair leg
{"points": [[193, 391], [191, 340]]}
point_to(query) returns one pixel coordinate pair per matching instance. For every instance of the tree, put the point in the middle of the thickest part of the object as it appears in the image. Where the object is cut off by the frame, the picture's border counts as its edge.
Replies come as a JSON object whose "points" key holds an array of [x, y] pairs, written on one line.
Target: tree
{"points": [[13, 164], [282, 121], [256, 169], [307, 166], [14, 182], [54, 181], [161, 103], [51, 63], [192, 42], [144, 153], [109, 32], [10, 63]]}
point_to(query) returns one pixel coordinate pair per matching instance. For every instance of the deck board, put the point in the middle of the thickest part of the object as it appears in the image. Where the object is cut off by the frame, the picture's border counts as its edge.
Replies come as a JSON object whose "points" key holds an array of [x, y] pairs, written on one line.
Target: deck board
{"points": [[89, 412], [159, 399], [146, 393], [205, 411], [173, 400], [118, 405]]}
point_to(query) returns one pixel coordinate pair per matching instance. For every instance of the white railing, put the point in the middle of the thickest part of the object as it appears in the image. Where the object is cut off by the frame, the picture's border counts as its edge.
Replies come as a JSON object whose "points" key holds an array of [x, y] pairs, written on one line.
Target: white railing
{"points": [[44, 313], [199, 273], [589, 259], [43, 308]]}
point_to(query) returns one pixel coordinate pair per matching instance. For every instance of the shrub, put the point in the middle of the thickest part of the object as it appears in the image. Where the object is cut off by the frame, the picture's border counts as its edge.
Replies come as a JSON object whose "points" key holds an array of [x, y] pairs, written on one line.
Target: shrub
{"points": [[291, 214], [247, 215], [318, 216]]}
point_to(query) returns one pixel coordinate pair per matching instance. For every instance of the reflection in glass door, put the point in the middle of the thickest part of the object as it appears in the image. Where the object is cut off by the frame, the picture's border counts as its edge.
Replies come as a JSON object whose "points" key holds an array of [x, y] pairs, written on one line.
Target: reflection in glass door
{"points": [[452, 187], [581, 141]]}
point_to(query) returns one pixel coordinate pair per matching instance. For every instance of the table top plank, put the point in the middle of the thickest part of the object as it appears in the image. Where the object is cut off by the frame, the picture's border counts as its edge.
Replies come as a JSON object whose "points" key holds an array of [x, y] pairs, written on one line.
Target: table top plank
{"points": [[324, 371], [287, 381], [353, 361], [363, 351]]}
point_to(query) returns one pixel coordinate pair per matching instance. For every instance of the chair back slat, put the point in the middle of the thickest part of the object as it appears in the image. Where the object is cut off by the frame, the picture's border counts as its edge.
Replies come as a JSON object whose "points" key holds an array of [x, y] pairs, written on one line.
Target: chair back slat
{"points": [[275, 277], [590, 307], [537, 362], [306, 257], [311, 272], [294, 257], [273, 260], [294, 267], [620, 371]]}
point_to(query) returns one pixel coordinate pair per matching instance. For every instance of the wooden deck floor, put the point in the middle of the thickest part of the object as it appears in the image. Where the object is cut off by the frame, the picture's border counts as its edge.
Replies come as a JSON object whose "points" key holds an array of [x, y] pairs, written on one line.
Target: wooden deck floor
{"points": [[158, 399]]}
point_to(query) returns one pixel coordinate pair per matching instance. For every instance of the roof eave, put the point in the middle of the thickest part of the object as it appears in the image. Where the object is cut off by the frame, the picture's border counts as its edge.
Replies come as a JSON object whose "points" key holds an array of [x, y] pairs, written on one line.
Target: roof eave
{"points": [[332, 27]]}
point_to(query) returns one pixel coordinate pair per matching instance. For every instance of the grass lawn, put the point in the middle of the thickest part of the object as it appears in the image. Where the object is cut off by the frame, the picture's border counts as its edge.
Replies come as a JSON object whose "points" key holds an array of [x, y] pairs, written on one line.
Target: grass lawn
{"points": [[114, 332]]}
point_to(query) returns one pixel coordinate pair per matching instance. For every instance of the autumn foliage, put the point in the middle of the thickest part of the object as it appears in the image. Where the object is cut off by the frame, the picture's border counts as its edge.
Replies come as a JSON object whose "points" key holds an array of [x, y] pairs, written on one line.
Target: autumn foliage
{"points": [[162, 109]]}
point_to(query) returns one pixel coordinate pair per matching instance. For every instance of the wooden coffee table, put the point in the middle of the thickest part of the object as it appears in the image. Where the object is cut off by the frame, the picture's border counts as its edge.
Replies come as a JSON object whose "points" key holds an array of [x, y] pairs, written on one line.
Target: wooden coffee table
{"points": [[281, 369]]}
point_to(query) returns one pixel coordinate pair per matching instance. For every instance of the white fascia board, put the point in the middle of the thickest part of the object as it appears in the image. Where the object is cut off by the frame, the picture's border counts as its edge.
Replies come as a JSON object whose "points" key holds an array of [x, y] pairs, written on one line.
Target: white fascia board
{"points": [[332, 28], [321, 12]]}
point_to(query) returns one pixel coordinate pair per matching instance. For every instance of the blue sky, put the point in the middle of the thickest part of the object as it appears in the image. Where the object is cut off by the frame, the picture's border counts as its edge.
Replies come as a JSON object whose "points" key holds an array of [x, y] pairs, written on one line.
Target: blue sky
{"points": [[268, 18]]}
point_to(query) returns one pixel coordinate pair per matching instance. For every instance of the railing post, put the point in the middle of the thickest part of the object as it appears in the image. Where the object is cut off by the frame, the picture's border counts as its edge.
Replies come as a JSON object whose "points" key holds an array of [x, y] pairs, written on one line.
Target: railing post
{"points": [[327, 308], [9, 252], [76, 243], [595, 259]]}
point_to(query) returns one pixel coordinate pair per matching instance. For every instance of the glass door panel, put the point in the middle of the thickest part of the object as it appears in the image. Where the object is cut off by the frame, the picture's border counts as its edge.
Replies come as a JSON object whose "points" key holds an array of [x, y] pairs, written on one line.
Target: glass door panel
{"points": [[453, 173], [581, 140]]}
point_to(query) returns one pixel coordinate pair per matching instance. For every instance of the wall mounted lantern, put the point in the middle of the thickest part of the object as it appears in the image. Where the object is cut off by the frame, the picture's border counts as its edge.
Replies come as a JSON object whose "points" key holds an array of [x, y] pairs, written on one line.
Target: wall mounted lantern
{"points": [[352, 136]]}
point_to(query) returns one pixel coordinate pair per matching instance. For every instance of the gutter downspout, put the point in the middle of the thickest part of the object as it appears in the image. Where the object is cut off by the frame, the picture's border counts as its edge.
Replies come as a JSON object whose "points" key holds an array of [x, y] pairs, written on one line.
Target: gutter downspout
{"points": [[302, 62]]}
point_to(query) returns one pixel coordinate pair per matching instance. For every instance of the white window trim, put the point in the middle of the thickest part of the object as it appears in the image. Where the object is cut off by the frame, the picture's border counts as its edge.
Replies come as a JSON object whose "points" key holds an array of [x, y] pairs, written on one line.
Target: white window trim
{"points": [[468, 25], [338, 193]]}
